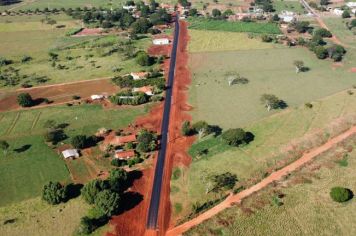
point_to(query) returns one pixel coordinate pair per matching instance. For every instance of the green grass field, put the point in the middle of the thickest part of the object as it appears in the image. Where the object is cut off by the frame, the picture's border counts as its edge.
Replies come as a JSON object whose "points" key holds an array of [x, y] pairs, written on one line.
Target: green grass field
{"points": [[222, 25], [269, 71], [271, 135], [30, 163], [210, 41], [338, 27], [26, 35], [307, 207], [294, 6]]}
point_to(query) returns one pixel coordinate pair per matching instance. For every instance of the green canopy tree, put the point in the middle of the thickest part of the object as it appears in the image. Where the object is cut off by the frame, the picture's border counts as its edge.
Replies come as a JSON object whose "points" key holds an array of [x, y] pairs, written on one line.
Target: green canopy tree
{"points": [[54, 193], [234, 137], [24, 100], [4, 146], [107, 202], [91, 189]]}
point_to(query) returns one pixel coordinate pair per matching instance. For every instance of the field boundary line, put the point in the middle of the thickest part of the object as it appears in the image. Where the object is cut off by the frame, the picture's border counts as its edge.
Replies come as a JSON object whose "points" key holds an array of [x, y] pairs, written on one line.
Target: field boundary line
{"points": [[12, 126], [34, 123], [233, 199]]}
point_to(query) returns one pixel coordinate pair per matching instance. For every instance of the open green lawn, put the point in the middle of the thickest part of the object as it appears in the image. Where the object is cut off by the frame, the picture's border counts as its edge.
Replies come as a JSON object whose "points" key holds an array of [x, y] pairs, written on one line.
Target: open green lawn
{"points": [[82, 58], [223, 25], [338, 27], [269, 71], [307, 207], [294, 6], [30, 163], [210, 41]]}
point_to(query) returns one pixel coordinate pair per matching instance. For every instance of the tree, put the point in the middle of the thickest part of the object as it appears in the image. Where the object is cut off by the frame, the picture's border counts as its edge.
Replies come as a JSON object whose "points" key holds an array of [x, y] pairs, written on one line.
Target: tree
{"points": [[216, 13], [186, 129], [202, 128], [301, 26], [146, 141], [118, 180], [87, 225], [234, 137], [141, 26], [143, 59], [184, 3], [299, 65], [4, 146], [275, 17], [340, 194], [193, 12], [24, 100], [225, 181], [353, 23], [270, 101], [324, 2], [79, 141], [346, 14], [107, 202], [91, 189], [54, 193], [54, 136]]}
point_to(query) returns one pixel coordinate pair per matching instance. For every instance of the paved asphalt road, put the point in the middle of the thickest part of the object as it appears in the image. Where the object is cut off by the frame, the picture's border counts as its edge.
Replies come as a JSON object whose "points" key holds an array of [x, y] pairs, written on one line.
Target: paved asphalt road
{"points": [[157, 182]]}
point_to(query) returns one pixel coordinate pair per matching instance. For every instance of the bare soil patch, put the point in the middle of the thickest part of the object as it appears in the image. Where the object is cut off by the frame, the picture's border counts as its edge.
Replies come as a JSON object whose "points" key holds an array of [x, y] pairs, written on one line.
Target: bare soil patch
{"points": [[90, 32], [59, 94]]}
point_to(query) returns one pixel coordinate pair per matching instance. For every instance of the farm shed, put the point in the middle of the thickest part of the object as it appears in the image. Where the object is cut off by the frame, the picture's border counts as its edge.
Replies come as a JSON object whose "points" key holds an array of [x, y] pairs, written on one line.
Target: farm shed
{"points": [[125, 139], [161, 41], [70, 153], [139, 75], [145, 89]]}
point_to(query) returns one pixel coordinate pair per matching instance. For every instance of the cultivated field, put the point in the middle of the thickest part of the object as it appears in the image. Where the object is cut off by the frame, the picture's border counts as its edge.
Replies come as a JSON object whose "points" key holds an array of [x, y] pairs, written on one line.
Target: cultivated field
{"points": [[268, 71], [210, 41], [222, 25], [79, 58], [30, 163], [307, 207]]}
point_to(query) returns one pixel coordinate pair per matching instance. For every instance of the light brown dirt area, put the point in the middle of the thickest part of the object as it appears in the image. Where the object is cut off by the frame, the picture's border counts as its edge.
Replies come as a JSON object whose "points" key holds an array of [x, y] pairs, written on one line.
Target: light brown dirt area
{"points": [[276, 176], [58, 94], [89, 32]]}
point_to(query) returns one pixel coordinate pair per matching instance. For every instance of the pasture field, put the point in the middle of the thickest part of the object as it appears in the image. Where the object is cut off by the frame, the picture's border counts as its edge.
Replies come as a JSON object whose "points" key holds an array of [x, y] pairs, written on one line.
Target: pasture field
{"points": [[338, 27], [268, 71], [222, 25], [30, 162], [272, 135], [79, 58], [41, 4], [294, 6], [307, 207], [36, 217], [210, 41]]}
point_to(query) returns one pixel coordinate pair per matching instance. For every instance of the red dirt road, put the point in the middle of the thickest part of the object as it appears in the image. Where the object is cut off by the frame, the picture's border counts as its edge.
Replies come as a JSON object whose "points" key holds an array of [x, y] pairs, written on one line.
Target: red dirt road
{"points": [[278, 175], [59, 94]]}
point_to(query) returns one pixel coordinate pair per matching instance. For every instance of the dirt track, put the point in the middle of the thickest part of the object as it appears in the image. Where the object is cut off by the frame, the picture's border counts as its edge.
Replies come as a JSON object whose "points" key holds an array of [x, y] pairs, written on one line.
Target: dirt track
{"points": [[278, 175], [60, 93]]}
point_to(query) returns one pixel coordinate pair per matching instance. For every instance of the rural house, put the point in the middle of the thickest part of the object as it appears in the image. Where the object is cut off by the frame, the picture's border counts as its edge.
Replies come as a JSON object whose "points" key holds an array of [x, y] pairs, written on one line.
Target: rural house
{"points": [[161, 41], [139, 75], [124, 155], [145, 89]]}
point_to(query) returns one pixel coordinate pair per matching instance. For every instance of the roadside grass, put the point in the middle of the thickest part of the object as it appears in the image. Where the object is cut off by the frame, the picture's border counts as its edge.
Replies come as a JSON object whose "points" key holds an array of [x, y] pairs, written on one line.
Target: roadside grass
{"points": [[294, 6], [338, 27], [35, 217], [222, 25], [87, 54], [210, 41], [268, 71], [251, 161], [41, 4], [307, 207], [30, 163]]}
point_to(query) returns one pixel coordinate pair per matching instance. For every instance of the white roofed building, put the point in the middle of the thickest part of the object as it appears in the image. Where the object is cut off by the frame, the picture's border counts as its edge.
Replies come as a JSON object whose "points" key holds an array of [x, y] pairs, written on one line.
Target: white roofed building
{"points": [[70, 153]]}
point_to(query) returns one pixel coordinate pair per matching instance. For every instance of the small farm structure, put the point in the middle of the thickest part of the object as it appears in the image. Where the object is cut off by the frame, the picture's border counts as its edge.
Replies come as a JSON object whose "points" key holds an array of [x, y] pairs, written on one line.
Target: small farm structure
{"points": [[124, 155], [145, 89], [139, 75], [70, 154], [160, 41]]}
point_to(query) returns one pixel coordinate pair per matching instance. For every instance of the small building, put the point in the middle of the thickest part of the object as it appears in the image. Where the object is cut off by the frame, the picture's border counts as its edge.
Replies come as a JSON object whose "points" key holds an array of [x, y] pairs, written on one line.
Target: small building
{"points": [[287, 16], [351, 4], [124, 155], [145, 89], [125, 139], [161, 41], [337, 11], [129, 8], [70, 153], [139, 75], [97, 97]]}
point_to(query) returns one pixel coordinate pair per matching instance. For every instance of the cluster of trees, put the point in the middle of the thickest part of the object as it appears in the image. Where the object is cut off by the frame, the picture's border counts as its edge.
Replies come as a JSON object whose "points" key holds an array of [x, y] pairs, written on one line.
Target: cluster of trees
{"points": [[200, 127], [128, 82], [83, 141], [127, 97], [271, 101], [217, 14], [105, 196], [122, 18], [143, 59], [223, 182], [266, 5], [236, 137], [54, 193], [147, 141]]}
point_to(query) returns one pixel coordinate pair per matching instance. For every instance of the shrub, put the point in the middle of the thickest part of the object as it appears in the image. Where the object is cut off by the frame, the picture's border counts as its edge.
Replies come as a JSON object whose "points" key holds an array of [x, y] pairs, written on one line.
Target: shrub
{"points": [[118, 163], [346, 14], [340, 194], [321, 52], [186, 129], [25, 59], [24, 100], [79, 141], [323, 33], [267, 38], [143, 59]]}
